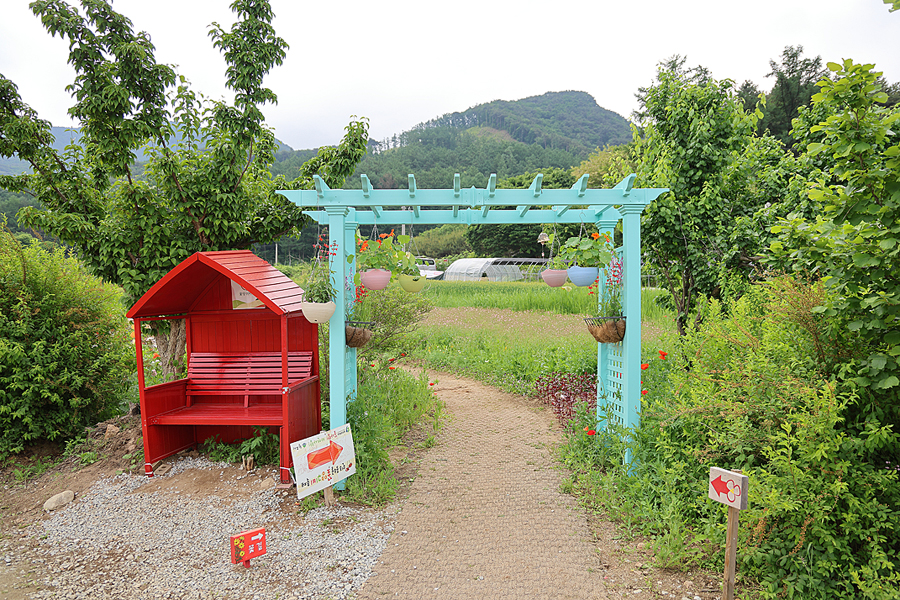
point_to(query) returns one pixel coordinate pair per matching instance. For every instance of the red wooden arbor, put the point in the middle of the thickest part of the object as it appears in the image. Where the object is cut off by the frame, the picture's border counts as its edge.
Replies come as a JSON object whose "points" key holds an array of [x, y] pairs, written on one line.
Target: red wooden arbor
{"points": [[253, 360]]}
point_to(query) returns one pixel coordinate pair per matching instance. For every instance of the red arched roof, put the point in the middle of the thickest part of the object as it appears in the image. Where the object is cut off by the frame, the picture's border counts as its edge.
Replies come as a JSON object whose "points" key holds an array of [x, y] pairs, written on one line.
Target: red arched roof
{"points": [[177, 292]]}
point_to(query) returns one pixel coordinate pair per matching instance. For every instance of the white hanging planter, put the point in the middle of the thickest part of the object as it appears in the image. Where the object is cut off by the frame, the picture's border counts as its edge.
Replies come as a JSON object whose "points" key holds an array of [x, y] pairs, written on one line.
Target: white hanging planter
{"points": [[317, 312]]}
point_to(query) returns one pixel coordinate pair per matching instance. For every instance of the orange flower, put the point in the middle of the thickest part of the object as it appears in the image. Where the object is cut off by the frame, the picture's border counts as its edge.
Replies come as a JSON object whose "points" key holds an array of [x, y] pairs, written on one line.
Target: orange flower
{"points": [[392, 368], [645, 366], [596, 236], [156, 355], [663, 355]]}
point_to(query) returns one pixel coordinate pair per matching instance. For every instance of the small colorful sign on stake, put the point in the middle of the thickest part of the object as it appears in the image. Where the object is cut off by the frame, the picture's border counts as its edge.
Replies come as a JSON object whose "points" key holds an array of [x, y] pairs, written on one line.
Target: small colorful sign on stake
{"points": [[728, 487], [247, 545], [322, 460]]}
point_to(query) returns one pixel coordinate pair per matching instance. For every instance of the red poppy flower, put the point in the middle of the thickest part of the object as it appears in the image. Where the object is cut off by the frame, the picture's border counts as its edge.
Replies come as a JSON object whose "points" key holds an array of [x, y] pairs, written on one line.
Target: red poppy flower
{"points": [[373, 364], [643, 392], [390, 360], [432, 383], [592, 432], [403, 354], [663, 355], [392, 367], [155, 355], [645, 366]]}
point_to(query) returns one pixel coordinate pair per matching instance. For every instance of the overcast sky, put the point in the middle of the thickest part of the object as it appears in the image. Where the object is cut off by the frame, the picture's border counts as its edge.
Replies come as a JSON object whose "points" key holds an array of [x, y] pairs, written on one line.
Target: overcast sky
{"points": [[401, 62]]}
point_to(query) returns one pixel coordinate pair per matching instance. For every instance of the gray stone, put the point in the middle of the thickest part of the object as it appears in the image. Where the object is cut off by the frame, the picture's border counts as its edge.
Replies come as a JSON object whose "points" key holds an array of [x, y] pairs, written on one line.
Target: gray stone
{"points": [[59, 500]]}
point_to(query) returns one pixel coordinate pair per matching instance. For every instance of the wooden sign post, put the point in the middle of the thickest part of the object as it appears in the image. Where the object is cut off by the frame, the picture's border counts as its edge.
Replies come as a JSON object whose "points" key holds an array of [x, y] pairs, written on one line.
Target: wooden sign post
{"points": [[729, 488]]}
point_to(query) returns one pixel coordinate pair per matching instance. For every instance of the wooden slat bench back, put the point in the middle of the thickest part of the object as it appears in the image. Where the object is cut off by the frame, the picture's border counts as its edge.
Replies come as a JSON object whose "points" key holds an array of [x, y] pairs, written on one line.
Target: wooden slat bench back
{"points": [[232, 374]]}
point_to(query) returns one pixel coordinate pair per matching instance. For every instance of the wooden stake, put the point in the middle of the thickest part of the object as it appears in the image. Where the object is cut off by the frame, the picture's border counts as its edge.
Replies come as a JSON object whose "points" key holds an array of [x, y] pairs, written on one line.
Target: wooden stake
{"points": [[329, 496], [731, 538]]}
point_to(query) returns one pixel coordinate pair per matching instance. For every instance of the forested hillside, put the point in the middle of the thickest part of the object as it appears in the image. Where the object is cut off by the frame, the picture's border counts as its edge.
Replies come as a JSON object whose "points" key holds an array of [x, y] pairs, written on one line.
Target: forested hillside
{"points": [[557, 129]]}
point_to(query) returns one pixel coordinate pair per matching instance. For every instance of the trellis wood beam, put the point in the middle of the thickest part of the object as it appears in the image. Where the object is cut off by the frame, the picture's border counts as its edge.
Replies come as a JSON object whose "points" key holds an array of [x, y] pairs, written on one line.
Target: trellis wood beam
{"points": [[564, 202]]}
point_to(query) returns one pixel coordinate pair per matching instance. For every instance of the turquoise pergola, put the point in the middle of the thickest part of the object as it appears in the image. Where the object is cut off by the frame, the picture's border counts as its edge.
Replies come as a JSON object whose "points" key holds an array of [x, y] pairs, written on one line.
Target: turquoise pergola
{"points": [[618, 365]]}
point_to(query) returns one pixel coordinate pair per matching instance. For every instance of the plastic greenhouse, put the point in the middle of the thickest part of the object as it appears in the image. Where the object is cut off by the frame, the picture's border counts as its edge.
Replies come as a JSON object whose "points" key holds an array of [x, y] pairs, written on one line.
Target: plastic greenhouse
{"points": [[476, 269]]}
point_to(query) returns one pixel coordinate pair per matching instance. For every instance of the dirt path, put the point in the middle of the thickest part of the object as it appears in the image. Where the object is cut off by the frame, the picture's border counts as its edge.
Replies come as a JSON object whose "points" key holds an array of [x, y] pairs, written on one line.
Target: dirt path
{"points": [[485, 517]]}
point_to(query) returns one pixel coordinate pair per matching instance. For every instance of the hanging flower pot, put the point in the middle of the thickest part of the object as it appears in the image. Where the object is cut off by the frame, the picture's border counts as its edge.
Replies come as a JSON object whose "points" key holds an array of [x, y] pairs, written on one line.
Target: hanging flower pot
{"points": [[606, 330], [317, 312], [583, 276], [375, 279], [357, 333], [412, 283], [554, 277]]}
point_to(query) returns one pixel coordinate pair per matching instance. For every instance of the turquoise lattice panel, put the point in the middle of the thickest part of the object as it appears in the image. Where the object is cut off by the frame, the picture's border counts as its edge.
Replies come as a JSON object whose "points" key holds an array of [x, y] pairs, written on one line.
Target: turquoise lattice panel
{"points": [[614, 369]]}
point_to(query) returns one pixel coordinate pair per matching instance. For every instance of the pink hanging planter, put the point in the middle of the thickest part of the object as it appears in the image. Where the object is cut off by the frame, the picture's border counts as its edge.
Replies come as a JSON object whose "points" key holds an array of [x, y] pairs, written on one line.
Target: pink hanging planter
{"points": [[375, 279], [554, 277]]}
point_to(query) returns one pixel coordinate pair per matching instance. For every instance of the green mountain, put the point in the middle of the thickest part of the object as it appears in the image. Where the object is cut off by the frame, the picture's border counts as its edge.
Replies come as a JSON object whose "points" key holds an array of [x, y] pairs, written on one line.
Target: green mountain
{"points": [[63, 136], [557, 129]]}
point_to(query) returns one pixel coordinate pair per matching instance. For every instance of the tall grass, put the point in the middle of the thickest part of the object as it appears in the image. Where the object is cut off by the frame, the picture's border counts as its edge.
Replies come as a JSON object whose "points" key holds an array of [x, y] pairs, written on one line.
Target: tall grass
{"points": [[565, 300]]}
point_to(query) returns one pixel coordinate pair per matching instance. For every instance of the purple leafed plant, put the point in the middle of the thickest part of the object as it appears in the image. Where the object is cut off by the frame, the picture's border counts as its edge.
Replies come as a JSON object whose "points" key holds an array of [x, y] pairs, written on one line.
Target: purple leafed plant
{"points": [[563, 391]]}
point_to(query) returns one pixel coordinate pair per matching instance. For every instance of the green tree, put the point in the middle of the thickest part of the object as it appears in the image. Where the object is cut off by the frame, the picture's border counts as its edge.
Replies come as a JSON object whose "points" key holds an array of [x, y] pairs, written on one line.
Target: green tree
{"points": [[209, 190], [206, 185], [795, 83], [693, 126], [855, 243]]}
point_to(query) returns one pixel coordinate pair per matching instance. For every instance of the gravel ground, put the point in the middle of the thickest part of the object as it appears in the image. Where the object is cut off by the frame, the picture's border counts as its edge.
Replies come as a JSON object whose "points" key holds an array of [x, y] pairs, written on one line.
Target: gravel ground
{"points": [[123, 539]]}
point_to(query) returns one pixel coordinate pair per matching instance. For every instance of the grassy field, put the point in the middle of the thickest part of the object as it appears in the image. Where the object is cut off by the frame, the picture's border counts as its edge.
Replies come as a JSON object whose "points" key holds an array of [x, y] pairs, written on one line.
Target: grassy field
{"points": [[537, 296], [509, 334]]}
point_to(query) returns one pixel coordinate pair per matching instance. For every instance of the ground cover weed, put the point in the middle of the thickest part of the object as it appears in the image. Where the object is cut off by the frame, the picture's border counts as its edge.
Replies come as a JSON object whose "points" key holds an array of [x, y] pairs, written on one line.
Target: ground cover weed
{"points": [[389, 402]]}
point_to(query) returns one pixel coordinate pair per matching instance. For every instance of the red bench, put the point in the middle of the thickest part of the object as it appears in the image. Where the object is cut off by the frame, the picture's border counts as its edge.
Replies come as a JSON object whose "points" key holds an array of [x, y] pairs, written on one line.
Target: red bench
{"points": [[233, 389], [250, 363]]}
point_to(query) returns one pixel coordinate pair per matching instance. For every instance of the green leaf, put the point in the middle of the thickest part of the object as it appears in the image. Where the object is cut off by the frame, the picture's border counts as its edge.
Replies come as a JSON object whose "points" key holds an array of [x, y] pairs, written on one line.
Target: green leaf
{"points": [[888, 382]]}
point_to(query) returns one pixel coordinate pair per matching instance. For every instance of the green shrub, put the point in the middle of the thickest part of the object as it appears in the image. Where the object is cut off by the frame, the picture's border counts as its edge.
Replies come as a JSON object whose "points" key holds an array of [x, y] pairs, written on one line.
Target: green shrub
{"points": [[396, 314], [65, 356], [263, 445], [756, 391]]}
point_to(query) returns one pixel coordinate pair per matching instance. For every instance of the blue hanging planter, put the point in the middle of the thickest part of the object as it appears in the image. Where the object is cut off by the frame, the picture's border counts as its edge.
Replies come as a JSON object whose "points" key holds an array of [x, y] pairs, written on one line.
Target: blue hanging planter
{"points": [[583, 276]]}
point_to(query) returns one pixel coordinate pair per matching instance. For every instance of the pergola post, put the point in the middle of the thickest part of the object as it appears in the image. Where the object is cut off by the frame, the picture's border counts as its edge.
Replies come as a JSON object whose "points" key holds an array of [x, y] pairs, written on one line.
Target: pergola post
{"points": [[337, 349], [631, 303]]}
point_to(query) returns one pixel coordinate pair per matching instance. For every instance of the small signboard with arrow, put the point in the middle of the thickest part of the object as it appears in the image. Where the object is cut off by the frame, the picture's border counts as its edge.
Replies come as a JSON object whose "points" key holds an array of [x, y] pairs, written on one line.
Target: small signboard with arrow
{"points": [[322, 460], [247, 545], [729, 488]]}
